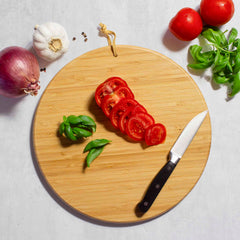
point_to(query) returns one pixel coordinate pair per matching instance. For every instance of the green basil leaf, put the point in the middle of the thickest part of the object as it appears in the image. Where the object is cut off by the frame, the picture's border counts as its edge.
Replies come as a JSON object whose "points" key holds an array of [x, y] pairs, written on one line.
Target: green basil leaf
{"points": [[232, 36], [96, 144], [224, 41], [229, 68], [93, 154], [220, 62], [86, 120], [217, 57], [198, 56], [64, 118], [220, 79], [69, 133], [81, 132], [220, 66], [236, 84], [72, 119], [61, 128], [210, 55], [202, 65], [195, 53], [236, 68], [236, 44], [213, 36]]}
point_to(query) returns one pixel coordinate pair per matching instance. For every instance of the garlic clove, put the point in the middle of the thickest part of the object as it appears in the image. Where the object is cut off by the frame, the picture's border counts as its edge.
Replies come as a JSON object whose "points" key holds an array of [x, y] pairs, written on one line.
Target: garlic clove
{"points": [[40, 45], [47, 55], [38, 37], [44, 31]]}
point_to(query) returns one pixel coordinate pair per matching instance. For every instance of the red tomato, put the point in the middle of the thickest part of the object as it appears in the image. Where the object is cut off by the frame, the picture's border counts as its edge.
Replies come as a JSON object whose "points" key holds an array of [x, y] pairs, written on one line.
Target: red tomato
{"points": [[216, 12], [127, 114], [115, 80], [124, 92], [101, 92], [137, 124], [186, 25], [109, 101], [155, 134], [120, 108], [107, 87]]}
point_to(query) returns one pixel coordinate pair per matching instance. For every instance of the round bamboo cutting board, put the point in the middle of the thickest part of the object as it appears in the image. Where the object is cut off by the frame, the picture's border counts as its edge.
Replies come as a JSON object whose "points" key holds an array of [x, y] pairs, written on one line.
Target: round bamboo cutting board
{"points": [[116, 181]]}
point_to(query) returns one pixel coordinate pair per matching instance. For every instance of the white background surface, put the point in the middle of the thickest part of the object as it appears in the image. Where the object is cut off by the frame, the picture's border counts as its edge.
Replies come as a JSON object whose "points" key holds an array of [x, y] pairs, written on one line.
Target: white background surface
{"points": [[27, 211]]}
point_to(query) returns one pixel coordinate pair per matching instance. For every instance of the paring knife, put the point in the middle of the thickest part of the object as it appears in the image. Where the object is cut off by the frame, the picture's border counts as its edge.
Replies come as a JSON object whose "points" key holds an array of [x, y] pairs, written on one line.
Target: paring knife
{"points": [[175, 155]]}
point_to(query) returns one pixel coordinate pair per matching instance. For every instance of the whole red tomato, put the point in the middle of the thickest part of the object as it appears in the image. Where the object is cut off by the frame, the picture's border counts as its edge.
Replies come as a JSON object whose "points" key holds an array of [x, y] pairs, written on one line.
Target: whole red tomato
{"points": [[186, 25], [216, 12]]}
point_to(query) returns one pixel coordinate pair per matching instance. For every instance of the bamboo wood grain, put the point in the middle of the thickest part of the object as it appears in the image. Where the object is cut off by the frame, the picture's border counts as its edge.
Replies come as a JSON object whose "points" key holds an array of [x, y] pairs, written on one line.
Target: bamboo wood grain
{"points": [[116, 181]]}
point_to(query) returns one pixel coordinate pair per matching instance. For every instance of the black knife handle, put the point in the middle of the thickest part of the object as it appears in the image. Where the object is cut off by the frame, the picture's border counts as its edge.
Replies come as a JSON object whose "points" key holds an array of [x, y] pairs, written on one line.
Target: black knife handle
{"points": [[156, 186]]}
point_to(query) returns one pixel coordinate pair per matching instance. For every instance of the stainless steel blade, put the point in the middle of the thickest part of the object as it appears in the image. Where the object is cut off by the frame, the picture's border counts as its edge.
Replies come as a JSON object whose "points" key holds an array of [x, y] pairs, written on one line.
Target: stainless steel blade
{"points": [[186, 137]]}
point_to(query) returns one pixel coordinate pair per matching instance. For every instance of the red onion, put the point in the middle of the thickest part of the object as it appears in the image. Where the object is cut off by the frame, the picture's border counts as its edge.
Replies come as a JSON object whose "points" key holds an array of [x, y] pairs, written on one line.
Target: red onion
{"points": [[19, 72]]}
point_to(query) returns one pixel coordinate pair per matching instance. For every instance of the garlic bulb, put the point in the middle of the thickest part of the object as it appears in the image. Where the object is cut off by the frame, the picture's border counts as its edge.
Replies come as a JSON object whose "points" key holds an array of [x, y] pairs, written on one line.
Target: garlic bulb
{"points": [[50, 41]]}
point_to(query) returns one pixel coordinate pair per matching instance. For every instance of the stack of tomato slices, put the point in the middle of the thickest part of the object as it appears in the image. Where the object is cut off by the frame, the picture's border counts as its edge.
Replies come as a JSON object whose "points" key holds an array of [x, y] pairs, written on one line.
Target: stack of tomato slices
{"points": [[125, 113]]}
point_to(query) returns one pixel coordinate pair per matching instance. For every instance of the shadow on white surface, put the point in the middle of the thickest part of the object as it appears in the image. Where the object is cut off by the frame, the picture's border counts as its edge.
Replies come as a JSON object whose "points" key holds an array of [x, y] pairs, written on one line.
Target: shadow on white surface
{"points": [[172, 43], [7, 104]]}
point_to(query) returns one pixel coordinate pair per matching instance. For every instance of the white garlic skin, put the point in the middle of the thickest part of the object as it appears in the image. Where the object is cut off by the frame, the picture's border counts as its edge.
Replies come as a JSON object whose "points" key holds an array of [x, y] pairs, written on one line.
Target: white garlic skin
{"points": [[42, 37]]}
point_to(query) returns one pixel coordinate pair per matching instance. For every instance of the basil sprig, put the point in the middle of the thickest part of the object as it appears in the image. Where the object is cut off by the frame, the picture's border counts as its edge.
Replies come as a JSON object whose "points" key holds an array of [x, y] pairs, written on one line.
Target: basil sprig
{"points": [[223, 57], [94, 149], [77, 127]]}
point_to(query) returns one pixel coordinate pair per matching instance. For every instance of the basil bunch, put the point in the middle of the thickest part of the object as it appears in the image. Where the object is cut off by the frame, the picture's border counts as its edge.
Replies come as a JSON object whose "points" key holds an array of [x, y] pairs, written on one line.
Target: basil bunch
{"points": [[77, 127], [223, 57]]}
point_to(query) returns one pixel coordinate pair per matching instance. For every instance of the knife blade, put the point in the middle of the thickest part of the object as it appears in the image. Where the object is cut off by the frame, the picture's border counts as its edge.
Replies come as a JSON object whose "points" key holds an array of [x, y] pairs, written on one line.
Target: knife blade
{"points": [[175, 154]]}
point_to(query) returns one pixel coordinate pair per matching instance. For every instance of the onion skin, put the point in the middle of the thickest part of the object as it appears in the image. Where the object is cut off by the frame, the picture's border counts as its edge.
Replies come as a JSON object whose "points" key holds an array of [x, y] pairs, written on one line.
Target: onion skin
{"points": [[19, 72]]}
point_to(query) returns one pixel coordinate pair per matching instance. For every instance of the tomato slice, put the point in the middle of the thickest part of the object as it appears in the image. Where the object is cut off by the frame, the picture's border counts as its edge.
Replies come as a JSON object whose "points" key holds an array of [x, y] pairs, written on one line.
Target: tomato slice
{"points": [[126, 115], [137, 124], [107, 87], [109, 102], [155, 134], [101, 92], [115, 82], [120, 108], [112, 99], [124, 92]]}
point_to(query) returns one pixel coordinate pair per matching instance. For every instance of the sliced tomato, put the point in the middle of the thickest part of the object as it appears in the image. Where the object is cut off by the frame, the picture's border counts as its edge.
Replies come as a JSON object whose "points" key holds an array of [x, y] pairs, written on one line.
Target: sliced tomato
{"points": [[120, 108], [124, 92], [115, 82], [108, 87], [109, 102], [127, 114], [112, 99], [101, 92], [155, 134], [137, 124]]}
